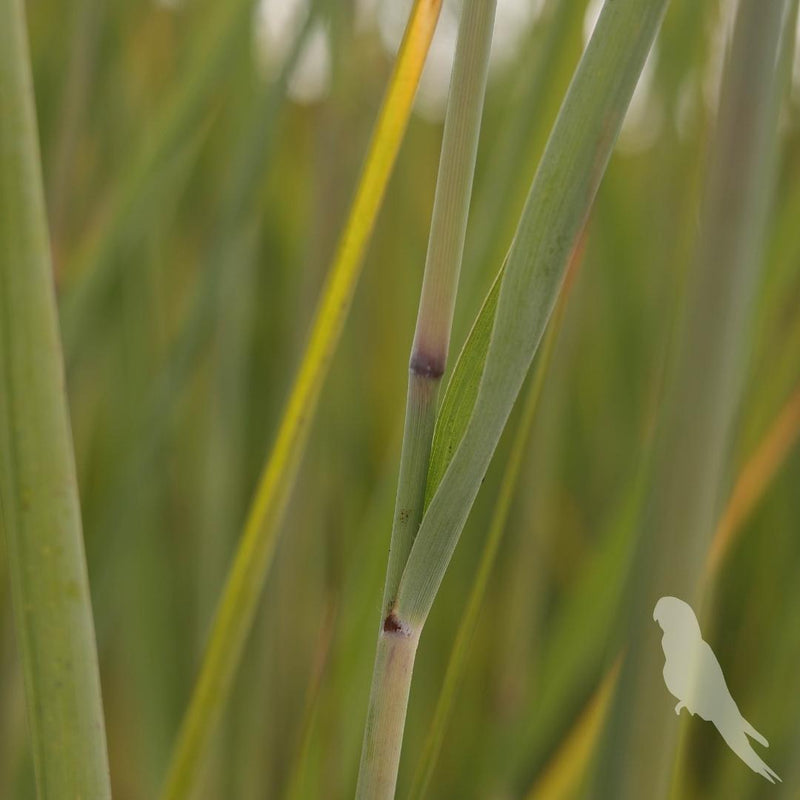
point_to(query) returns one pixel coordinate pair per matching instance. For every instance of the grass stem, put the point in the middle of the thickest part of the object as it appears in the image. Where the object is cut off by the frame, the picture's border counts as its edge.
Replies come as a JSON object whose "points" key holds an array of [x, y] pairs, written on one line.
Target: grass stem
{"points": [[394, 659], [638, 748], [380, 759], [440, 281]]}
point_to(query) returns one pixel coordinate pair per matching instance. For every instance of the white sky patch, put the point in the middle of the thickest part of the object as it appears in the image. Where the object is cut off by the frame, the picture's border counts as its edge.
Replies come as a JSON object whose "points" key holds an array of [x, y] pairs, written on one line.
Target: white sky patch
{"points": [[590, 17], [718, 45], [434, 83], [796, 64], [277, 25], [645, 116], [170, 5], [365, 14], [687, 107], [513, 21]]}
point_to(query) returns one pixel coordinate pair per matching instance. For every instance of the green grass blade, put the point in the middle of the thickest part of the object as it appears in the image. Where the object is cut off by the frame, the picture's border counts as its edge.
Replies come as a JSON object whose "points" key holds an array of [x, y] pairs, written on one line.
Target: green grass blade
{"points": [[383, 732], [562, 778], [559, 201], [237, 606], [431, 345], [220, 279], [561, 773], [39, 505], [462, 390], [91, 275], [460, 652]]}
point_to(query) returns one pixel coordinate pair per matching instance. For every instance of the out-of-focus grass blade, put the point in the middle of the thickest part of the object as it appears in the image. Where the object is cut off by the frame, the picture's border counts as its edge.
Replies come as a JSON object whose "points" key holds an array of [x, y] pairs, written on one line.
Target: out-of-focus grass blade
{"points": [[702, 399], [254, 555], [574, 650], [757, 474], [560, 198], [89, 277], [39, 505], [296, 784], [220, 279], [78, 78], [563, 775], [458, 656], [753, 481]]}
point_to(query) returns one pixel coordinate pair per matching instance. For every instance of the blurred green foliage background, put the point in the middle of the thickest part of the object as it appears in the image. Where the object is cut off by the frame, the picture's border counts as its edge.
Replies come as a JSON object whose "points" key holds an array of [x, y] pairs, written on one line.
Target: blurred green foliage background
{"points": [[199, 159]]}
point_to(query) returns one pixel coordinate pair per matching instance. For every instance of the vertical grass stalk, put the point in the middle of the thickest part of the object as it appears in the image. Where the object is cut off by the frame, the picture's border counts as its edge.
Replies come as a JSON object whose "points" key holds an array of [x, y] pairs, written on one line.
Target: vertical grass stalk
{"points": [[440, 281], [557, 207], [569, 762], [636, 757], [39, 505], [396, 644]]}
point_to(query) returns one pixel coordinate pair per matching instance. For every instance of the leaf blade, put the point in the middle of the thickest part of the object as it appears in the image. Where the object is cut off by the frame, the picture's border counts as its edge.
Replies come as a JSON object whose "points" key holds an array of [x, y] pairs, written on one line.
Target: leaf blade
{"points": [[39, 504], [561, 195]]}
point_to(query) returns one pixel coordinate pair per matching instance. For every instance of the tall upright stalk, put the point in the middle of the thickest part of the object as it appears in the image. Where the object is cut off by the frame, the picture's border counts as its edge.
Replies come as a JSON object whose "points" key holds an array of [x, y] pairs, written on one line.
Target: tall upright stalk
{"points": [[39, 506], [637, 755], [561, 195], [440, 281], [558, 203], [397, 645]]}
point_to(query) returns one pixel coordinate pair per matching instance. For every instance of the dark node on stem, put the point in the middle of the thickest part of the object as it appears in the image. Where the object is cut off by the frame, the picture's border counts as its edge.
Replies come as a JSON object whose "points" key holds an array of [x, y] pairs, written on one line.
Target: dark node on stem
{"points": [[392, 624], [425, 365]]}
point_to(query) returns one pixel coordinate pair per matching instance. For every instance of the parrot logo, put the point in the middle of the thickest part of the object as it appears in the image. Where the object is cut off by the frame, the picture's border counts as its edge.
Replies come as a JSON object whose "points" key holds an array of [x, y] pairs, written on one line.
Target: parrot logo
{"points": [[693, 675]]}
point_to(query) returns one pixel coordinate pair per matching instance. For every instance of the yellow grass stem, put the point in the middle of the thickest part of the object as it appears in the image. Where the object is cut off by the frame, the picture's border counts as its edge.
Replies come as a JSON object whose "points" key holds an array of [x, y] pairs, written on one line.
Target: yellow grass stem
{"points": [[383, 734]]}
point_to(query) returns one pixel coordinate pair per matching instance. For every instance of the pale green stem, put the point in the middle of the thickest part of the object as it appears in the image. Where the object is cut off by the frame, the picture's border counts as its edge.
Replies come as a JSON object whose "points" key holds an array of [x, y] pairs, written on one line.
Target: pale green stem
{"points": [[440, 280], [383, 734], [391, 681], [39, 505]]}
